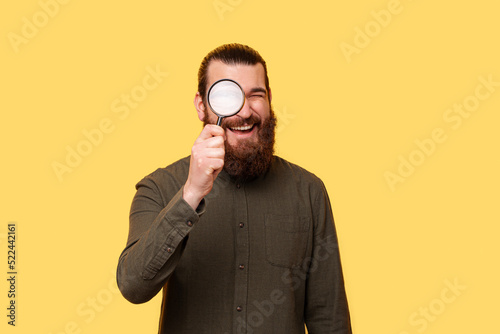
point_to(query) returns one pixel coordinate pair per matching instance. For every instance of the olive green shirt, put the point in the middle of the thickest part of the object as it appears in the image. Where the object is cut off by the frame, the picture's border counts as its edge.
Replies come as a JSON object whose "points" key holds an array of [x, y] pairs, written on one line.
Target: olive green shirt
{"points": [[255, 257]]}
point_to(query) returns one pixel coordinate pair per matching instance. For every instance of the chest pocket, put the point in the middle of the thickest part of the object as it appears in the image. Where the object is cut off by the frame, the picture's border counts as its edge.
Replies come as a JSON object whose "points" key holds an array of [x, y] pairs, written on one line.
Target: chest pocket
{"points": [[286, 239]]}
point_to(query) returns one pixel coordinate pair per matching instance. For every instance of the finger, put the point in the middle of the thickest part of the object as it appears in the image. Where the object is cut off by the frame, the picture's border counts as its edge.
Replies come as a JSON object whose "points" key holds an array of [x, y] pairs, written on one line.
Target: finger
{"points": [[214, 165], [214, 153], [202, 158], [212, 142], [199, 149], [211, 130]]}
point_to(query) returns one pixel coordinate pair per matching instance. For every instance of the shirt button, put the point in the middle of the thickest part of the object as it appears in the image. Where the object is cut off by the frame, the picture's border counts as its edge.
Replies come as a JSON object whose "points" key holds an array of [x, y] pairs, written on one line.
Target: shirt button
{"points": [[238, 185], [239, 309], [189, 224], [242, 267], [242, 225], [169, 250]]}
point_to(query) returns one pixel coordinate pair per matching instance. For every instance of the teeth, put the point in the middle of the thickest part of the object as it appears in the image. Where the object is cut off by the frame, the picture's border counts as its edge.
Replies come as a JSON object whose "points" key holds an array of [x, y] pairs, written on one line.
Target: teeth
{"points": [[242, 128]]}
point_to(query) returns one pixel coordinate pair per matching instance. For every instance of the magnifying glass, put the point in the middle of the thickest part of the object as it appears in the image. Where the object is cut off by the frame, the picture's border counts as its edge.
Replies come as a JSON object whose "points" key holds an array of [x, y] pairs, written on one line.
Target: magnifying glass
{"points": [[226, 98]]}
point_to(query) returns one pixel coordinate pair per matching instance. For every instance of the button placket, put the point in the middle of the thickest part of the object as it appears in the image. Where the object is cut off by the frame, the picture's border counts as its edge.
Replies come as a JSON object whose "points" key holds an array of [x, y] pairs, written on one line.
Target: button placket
{"points": [[241, 258]]}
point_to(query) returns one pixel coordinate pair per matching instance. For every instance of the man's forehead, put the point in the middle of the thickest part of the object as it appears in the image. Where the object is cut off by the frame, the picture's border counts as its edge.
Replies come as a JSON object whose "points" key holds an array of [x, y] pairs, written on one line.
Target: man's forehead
{"points": [[244, 74]]}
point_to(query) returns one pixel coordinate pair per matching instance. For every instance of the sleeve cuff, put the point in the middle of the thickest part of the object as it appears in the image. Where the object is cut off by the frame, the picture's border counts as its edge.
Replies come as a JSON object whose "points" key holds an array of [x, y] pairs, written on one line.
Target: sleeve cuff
{"points": [[180, 215]]}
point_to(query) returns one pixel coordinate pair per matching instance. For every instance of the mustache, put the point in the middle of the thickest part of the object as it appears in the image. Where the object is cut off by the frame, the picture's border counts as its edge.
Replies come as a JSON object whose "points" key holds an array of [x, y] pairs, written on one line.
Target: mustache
{"points": [[231, 123]]}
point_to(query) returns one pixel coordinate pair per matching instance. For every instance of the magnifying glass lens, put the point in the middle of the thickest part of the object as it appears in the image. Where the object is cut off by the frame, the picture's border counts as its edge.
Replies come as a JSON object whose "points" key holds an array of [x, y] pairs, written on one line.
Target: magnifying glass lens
{"points": [[225, 98]]}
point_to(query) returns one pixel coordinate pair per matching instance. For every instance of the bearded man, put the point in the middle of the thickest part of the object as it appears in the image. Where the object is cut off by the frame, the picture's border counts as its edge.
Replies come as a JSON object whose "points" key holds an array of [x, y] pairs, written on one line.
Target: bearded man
{"points": [[240, 240]]}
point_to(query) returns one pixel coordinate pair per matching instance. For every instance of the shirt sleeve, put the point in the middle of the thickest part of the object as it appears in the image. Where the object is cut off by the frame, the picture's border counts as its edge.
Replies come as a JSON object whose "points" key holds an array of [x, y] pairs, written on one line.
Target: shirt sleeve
{"points": [[326, 309], [157, 237]]}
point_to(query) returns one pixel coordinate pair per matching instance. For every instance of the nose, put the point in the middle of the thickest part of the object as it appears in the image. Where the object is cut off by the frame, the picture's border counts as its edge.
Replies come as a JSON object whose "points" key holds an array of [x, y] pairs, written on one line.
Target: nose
{"points": [[245, 111]]}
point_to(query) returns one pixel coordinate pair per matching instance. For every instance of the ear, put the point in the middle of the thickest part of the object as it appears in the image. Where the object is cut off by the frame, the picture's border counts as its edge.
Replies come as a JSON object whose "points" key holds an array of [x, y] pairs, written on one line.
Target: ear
{"points": [[200, 107], [270, 95]]}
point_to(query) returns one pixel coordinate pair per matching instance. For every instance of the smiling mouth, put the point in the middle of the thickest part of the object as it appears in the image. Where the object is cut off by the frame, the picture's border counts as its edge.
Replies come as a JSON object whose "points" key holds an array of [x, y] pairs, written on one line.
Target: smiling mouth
{"points": [[242, 129]]}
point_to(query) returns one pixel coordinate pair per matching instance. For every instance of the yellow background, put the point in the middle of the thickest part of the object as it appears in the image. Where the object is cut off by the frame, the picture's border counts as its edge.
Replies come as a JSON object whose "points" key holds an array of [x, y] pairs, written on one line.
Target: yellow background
{"points": [[347, 119]]}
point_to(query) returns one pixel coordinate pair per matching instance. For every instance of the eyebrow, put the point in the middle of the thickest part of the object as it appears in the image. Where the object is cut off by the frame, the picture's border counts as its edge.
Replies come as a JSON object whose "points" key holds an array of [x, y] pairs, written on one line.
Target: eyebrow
{"points": [[258, 90]]}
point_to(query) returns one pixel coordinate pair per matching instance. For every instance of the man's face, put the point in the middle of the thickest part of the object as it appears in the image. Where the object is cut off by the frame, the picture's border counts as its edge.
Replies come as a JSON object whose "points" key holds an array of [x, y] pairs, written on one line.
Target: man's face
{"points": [[244, 126], [250, 133]]}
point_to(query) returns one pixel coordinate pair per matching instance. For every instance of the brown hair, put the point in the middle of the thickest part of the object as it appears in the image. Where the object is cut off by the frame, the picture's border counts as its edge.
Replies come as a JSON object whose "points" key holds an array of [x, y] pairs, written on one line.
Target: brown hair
{"points": [[230, 54]]}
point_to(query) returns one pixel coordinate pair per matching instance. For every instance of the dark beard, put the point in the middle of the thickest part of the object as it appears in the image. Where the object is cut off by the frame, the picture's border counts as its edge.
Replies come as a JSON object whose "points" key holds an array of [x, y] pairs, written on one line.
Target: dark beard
{"points": [[249, 160]]}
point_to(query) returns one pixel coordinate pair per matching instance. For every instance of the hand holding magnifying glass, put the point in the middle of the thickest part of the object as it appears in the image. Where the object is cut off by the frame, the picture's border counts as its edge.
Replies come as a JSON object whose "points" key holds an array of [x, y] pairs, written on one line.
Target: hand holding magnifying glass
{"points": [[225, 98]]}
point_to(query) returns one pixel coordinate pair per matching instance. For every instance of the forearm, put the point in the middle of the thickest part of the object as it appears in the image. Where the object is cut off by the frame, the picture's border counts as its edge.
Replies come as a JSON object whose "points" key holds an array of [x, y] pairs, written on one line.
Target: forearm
{"points": [[155, 245]]}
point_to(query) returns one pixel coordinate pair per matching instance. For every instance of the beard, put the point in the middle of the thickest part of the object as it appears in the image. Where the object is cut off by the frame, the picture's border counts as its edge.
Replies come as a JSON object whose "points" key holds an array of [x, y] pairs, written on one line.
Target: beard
{"points": [[248, 160]]}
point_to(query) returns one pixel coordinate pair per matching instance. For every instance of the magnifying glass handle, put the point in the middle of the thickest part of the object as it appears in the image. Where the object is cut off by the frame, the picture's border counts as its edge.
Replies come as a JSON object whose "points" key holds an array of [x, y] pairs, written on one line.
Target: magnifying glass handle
{"points": [[219, 120]]}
